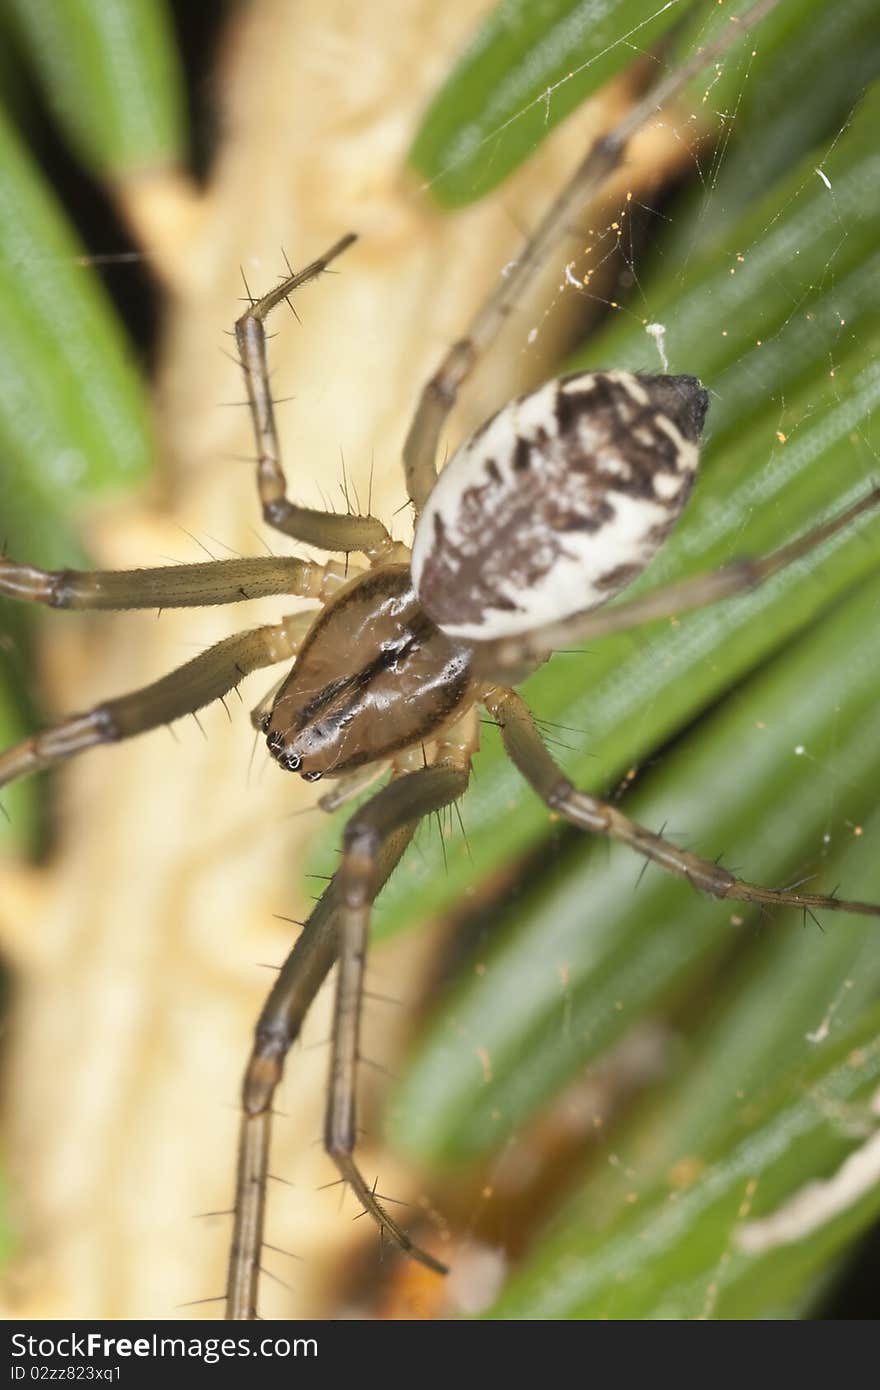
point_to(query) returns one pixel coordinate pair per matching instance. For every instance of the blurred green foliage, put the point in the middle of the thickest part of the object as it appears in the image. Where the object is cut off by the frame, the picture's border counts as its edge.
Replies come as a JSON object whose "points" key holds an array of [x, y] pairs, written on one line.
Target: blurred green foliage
{"points": [[111, 74], [528, 66]]}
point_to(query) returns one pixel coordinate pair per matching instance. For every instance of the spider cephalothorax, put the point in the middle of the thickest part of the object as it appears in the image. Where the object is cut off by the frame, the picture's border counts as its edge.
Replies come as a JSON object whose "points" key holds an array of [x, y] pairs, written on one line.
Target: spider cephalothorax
{"points": [[374, 675]]}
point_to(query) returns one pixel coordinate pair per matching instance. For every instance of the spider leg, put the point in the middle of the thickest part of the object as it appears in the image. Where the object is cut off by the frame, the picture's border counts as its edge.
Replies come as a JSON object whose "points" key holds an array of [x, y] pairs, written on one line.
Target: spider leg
{"points": [[697, 592], [279, 1024], [205, 678], [527, 751], [604, 156], [323, 529], [171, 586], [403, 801]]}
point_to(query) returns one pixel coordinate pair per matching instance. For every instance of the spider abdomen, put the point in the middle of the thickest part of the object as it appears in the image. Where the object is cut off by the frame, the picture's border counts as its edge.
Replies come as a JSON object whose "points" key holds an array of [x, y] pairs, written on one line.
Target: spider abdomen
{"points": [[557, 502]]}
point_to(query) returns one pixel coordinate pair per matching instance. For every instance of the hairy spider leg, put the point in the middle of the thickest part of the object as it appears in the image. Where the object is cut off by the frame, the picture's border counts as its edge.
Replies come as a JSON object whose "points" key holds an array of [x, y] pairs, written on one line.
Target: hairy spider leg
{"points": [[376, 837], [323, 529], [299, 980], [402, 802], [278, 1026], [527, 750], [206, 678], [440, 393], [171, 586]]}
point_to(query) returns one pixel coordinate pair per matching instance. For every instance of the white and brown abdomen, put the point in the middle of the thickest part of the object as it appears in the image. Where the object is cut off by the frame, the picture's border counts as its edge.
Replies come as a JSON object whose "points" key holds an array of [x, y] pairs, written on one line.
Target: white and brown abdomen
{"points": [[557, 502]]}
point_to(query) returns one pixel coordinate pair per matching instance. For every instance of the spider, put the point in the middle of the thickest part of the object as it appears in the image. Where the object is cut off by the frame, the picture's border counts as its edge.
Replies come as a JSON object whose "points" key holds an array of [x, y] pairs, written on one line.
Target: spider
{"points": [[551, 508]]}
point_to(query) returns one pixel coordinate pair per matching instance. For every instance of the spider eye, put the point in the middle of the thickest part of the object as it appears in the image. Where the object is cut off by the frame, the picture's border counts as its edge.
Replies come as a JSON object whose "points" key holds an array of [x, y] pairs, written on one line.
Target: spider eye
{"points": [[312, 776], [275, 742], [291, 762]]}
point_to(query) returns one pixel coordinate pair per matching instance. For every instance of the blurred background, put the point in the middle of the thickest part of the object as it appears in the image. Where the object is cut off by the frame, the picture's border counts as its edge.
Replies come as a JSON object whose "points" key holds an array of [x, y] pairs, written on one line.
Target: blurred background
{"points": [[599, 1095]]}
